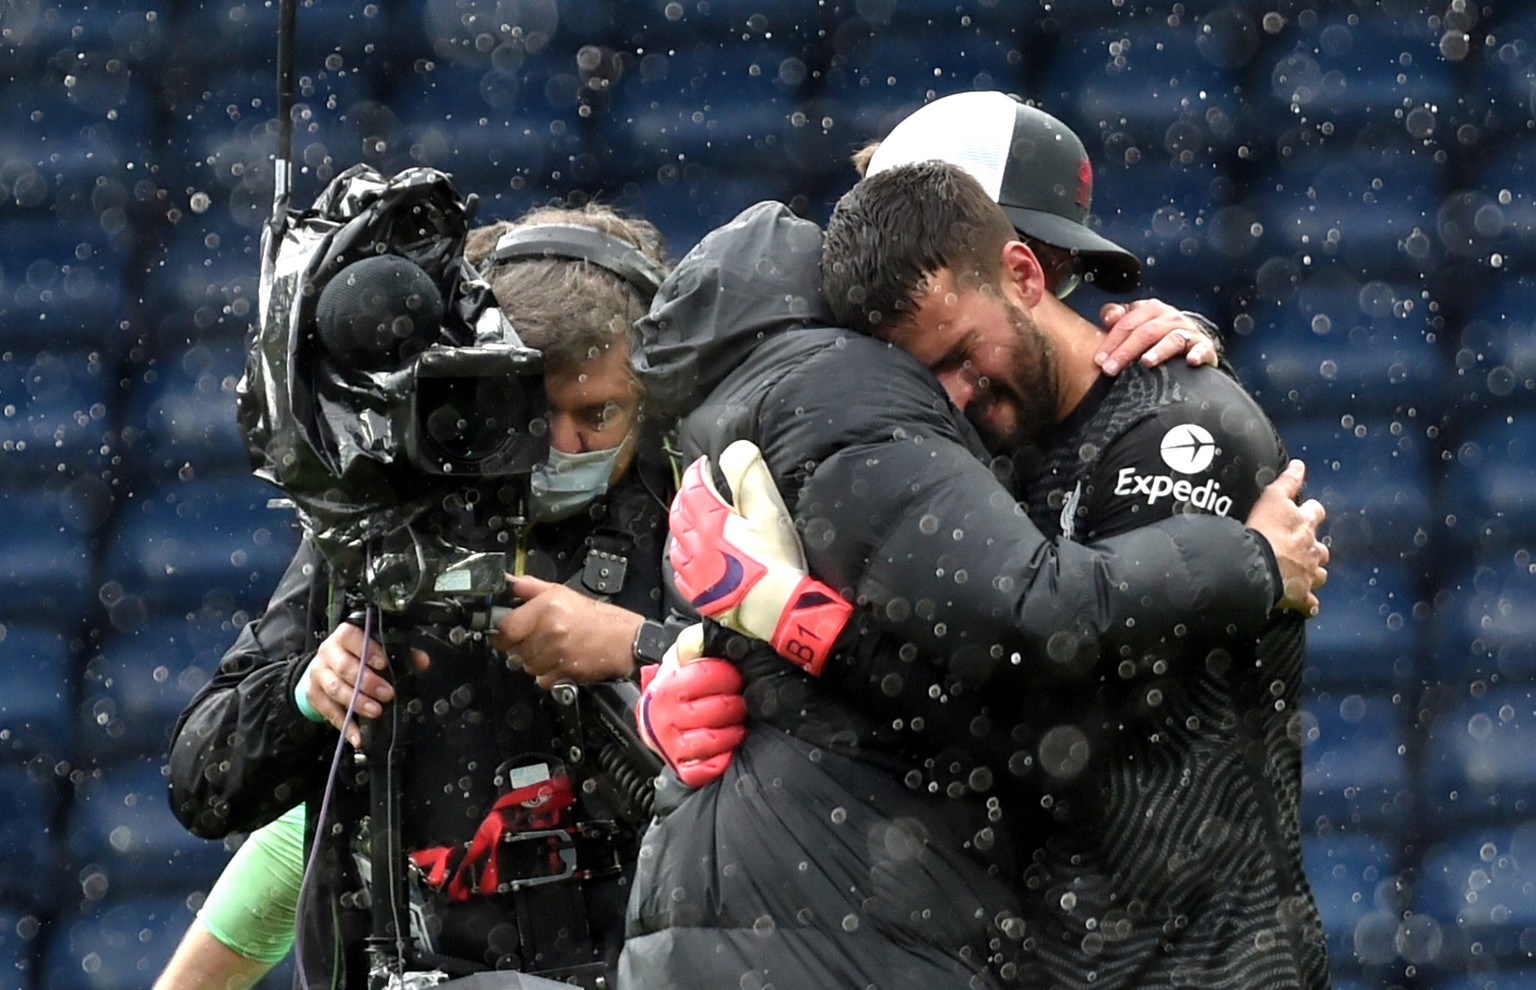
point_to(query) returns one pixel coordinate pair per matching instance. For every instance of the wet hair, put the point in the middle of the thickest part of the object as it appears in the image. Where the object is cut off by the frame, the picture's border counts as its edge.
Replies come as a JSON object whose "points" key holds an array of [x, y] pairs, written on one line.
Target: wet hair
{"points": [[861, 158], [893, 231], [570, 310]]}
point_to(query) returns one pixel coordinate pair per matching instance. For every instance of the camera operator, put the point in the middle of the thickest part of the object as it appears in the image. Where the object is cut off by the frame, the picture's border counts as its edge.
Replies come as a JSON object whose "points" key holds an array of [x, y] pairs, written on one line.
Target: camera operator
{"points": [[481, 771]]}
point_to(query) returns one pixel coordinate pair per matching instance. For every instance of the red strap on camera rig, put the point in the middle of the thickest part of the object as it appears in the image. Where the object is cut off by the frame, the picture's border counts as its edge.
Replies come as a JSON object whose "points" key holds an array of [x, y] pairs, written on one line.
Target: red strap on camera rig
{"points": [[535, 811]]}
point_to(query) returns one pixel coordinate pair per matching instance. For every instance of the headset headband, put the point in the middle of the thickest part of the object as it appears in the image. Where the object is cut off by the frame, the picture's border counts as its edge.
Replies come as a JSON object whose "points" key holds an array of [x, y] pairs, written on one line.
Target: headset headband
{"points": [[562, 240]]}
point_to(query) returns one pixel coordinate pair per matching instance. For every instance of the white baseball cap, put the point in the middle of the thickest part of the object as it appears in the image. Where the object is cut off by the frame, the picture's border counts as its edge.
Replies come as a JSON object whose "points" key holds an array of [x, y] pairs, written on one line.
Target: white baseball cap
{"points": [[1028, 161]]}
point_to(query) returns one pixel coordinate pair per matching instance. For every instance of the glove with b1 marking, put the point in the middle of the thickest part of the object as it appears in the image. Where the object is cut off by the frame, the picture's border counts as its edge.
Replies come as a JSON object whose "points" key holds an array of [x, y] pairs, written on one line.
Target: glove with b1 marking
{"points": [[740, 562]]}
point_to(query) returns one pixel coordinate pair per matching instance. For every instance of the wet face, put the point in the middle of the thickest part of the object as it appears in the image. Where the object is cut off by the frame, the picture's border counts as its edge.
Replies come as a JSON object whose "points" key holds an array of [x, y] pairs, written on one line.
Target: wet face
{"points": [[594, 406], [993, 361]]}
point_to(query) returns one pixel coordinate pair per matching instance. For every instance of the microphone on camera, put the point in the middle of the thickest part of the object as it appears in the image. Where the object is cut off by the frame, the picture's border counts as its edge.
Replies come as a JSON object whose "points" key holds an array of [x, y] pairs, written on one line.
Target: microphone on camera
{"points": [[377, 312]]}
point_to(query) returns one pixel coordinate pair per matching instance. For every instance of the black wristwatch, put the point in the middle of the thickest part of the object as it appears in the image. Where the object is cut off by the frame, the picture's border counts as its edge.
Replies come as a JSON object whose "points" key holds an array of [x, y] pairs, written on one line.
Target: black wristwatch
{"points": [[652, 641]]}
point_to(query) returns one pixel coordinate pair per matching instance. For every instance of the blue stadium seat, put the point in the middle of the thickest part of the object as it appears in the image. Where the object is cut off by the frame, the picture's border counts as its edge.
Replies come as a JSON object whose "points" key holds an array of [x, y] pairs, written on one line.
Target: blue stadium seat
{"points": [[1347, 980], [1500, 82], [21, 932], [655, 24], [1480, 756], [1352, 66], [181, 416], [1373, 209], [1495, 361], [494, 129], [29, 806], [120, 943], [179, 544], [1354, 766], [1490, 485], [876, 78], [1336, 346], [431, 31], [46, 554], [1483, 973], [1079, 18], [1157, 93], [1498, 209], [37, 692], [1356, 880], [686, 207], [339, 35], [78, 148], [221, 136], [1369, 633], [129, 30], [818, 146], [64, 284], [1374, 474], [513, 165], [132, 692], [59, 422], [1168, 217], [1485, 623], [725, 107], [489, 92], [122, 839], [73, 179], [1476, 884], [81, 98], [203, 284]]}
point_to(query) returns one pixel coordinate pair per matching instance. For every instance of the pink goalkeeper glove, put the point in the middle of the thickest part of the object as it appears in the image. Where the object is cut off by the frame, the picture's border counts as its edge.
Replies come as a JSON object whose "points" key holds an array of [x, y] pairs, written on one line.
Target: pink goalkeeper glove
{"points": [[691, 712], [741, 564]]}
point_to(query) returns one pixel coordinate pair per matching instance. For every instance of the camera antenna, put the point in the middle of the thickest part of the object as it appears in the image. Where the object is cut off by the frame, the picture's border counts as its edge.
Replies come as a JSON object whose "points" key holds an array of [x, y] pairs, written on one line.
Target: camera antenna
{"points": [[282, 184], [389, 944]]}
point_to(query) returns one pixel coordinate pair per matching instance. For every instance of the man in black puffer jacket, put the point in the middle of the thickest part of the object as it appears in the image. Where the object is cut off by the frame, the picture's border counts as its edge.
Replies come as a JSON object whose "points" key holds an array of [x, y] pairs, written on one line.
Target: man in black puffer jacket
{"points": [[1173, 856], [846, 845]]}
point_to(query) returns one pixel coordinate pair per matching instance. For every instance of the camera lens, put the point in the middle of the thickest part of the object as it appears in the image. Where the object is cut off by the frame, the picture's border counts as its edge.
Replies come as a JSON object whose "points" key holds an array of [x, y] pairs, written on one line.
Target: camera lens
{"points": [[473, 410], [477, 425], [473, 422]]}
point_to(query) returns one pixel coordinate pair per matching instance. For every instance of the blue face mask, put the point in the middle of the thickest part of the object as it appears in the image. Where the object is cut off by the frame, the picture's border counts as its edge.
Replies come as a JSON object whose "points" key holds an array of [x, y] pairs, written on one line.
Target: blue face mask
{"points": [[567, 483]]}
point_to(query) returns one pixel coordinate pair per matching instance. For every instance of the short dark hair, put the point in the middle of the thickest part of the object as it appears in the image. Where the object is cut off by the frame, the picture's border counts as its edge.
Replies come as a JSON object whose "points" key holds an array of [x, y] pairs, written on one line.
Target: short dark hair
{"points": [[893, 231], [568, 309]]}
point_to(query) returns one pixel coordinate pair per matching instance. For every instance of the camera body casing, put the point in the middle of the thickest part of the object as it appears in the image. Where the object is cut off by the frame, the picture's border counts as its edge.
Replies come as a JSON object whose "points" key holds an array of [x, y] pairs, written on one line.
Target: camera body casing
{"points": [[364, 450]]}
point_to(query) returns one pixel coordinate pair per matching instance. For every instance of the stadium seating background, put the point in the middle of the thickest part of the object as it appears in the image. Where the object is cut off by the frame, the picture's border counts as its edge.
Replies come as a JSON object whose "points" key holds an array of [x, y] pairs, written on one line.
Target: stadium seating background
{"points": [[1343, 185]]}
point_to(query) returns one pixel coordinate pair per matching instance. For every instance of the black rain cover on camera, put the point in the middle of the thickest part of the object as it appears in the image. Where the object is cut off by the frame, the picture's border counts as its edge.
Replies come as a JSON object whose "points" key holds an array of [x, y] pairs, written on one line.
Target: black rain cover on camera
{"points": [[335, 438]]}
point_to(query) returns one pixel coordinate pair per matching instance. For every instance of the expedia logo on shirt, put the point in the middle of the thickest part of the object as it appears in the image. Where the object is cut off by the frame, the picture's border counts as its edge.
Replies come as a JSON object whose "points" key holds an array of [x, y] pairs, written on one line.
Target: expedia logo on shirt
{"points": [[1187, 449]]}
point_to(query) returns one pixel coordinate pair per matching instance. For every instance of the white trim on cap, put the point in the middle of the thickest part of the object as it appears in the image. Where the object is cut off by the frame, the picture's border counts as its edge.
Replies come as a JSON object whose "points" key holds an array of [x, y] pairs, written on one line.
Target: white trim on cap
{"points": [[973, 131]]}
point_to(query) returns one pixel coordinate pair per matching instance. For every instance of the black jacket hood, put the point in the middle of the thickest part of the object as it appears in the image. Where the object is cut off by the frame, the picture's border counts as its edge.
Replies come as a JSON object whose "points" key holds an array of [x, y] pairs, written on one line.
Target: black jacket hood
{"points": [[756, 276]]}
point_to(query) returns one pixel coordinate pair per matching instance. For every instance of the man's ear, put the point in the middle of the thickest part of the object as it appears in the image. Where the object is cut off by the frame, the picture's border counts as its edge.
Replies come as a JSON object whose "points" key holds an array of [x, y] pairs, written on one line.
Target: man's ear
{"points": [[1022, 268]]}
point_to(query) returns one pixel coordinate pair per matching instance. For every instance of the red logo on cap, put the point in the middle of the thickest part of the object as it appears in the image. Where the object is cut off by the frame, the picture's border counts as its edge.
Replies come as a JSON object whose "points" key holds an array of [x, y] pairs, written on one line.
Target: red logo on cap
{"points": [[1084, 183]]}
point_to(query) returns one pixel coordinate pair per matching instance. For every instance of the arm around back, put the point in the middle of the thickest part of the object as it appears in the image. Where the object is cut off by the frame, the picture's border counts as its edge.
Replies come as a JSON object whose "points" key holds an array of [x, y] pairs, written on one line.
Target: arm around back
{"points": [[899, 510]]}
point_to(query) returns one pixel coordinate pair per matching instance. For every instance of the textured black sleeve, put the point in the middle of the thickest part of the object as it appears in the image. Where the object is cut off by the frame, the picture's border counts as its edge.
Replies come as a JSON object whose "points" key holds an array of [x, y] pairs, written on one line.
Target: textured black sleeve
{"points": [[242, 753], [1201, 456]]}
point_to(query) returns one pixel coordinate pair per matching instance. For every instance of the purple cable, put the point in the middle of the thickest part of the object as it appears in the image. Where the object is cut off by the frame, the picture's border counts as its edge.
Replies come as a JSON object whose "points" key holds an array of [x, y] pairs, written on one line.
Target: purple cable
{"points": [[330, 784]]}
